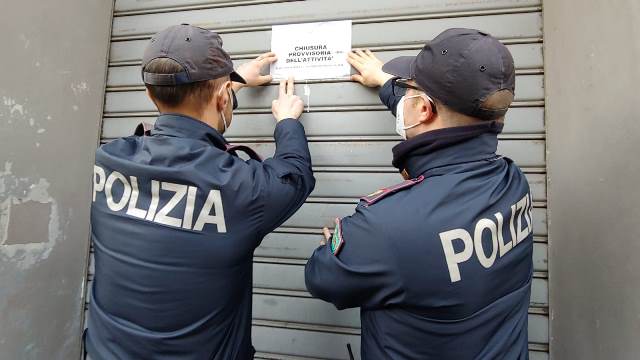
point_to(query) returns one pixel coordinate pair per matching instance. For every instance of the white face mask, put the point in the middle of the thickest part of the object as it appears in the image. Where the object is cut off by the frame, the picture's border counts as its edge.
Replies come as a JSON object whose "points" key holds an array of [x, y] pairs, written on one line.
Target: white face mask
{"points": [[224, 120], [401, 129]]}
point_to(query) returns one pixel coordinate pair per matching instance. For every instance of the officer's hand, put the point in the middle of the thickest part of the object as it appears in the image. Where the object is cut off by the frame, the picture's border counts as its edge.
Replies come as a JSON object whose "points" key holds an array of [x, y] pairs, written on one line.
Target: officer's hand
{"points": [[288, 105], [250, 71], [369, 68], [327, 236]]}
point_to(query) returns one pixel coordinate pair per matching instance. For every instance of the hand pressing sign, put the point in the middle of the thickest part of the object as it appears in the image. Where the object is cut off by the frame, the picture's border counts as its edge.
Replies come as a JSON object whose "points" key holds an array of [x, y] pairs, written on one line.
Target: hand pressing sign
{"points": [[369, 68], [287, 105], [251, 71]]}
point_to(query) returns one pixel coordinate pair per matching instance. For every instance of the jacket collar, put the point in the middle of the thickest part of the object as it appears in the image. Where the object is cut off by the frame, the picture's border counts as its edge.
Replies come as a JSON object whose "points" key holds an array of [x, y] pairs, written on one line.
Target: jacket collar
{"points": [[182, 126], [438, 148]]}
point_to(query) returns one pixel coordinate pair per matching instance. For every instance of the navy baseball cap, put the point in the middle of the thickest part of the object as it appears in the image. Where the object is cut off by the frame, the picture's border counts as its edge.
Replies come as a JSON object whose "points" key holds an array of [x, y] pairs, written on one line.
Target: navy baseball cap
{"points": [[461, 68], [197, 50]]}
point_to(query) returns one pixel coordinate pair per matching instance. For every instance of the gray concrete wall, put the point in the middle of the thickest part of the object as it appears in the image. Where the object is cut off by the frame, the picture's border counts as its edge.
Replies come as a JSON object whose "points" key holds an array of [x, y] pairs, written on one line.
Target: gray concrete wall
{"points": [[592, 64], [52, 75]]}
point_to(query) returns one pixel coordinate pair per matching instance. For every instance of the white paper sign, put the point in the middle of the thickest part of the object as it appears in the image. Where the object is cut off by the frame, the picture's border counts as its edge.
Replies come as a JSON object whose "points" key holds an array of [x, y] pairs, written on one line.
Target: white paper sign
{"points": [[311, 51]]}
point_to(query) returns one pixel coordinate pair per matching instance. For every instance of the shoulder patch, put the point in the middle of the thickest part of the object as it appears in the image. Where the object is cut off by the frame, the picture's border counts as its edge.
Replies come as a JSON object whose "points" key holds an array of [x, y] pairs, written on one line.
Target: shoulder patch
{"points": [[337, 241], [382, 193]]}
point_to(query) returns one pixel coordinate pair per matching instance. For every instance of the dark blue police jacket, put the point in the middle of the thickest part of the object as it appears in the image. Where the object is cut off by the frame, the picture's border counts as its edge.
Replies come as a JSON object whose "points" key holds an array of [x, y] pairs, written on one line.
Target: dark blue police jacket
{"points": [[175, 220], [440, 265]]}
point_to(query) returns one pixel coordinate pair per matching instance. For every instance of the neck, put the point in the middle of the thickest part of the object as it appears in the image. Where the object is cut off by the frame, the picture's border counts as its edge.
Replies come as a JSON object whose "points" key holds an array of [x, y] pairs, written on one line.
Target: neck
{"points": [[426, 127], [210, 118], [443, 119], [447, 146]]}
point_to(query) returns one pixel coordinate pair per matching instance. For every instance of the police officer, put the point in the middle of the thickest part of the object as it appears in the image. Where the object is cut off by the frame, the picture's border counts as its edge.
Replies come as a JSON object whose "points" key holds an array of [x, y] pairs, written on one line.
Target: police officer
{"points": [[440, 264], [176, 214]]}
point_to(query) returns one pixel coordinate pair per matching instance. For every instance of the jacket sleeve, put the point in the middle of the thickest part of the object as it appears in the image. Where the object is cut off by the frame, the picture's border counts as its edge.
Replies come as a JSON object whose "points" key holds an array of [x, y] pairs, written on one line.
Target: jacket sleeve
{"points": [[362, 274], [286, 179], [387, 97]]}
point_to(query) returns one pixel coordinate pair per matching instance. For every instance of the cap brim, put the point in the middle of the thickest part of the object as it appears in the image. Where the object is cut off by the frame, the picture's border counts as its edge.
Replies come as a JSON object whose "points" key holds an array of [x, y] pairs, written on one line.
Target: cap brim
{"points": [[235, 77], [401, 66]]}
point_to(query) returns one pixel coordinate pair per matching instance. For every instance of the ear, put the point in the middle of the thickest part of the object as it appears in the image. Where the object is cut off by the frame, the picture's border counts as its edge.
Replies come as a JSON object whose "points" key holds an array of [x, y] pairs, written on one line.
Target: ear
{"points": [[221, 98], [426, 111], [146, 91]]}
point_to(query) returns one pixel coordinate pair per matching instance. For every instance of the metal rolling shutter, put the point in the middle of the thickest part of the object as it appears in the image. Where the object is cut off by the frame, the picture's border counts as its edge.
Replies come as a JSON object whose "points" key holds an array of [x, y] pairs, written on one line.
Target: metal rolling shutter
{"points": [[351, 136]]}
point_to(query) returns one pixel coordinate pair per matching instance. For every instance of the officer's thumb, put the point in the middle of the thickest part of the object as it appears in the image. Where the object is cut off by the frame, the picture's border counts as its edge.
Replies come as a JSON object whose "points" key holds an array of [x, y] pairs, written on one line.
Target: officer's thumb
{"points": [[326, 234]]}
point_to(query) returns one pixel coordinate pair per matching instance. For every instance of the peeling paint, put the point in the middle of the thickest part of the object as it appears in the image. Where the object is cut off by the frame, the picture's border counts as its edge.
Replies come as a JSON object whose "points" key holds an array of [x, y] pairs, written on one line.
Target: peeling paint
{"points": [[26, 42], [41, 130], [18, 191], [5, 214], [13, 106], [39, 192], [79, 87]]}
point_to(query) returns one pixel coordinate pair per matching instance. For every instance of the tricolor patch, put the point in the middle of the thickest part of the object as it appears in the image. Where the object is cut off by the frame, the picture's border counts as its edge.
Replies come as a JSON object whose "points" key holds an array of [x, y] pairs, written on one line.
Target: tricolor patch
{"points": [[337, 242]]}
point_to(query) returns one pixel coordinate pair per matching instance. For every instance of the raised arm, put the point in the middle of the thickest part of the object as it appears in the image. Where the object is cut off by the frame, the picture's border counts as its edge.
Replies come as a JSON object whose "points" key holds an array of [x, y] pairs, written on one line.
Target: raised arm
{"points": [[286, 179]]}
